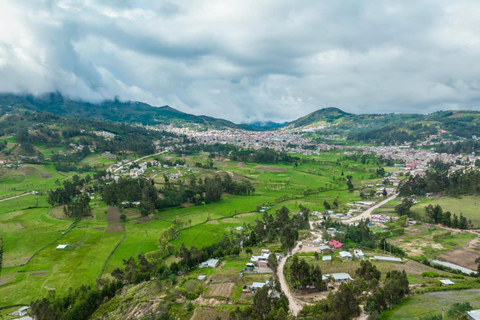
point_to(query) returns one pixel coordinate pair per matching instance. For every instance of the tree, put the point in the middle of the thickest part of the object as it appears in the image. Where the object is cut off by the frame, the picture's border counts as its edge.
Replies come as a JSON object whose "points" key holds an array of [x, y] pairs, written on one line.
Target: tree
{"points": [[288, 237], [458, 309], [123, 217], [272, 262], [384, 192], [344, 302], [477, 261], [434, 213], [367, 271]]}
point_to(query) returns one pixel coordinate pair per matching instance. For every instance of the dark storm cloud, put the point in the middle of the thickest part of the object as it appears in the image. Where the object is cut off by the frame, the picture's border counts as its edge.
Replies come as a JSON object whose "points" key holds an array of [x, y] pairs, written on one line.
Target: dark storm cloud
{"points": [[247, 60]]}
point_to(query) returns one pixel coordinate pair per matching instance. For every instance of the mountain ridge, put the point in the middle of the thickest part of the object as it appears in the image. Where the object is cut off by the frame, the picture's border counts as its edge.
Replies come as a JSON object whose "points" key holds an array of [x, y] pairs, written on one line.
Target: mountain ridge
{"points": [[113, 110]]}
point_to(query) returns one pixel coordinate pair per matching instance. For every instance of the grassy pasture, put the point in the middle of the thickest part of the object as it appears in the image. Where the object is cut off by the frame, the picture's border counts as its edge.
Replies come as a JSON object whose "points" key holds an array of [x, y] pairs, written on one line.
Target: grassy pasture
{"points": [[467, 205], [418, 306], [29, 226]]}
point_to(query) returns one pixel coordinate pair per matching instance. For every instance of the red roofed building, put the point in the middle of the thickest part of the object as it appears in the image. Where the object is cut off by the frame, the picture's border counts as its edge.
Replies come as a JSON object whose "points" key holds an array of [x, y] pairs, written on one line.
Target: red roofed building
{"points": [[335, 245]]}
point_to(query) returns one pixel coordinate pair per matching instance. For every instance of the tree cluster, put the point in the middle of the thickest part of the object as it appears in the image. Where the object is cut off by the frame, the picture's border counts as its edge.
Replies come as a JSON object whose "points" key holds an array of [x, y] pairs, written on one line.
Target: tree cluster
{"points": [[305, 276], [78, 304]]}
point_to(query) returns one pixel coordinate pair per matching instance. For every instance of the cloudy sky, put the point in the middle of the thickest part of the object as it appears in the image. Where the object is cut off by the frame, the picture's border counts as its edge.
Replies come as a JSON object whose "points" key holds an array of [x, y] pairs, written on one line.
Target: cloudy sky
{"points": [[247, 60]]}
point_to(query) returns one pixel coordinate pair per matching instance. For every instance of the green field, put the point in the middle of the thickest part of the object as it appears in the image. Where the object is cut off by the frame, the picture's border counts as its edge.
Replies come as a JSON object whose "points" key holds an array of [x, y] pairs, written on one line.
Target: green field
{"points": [[467, 205], [418, 306], [32, 265]]}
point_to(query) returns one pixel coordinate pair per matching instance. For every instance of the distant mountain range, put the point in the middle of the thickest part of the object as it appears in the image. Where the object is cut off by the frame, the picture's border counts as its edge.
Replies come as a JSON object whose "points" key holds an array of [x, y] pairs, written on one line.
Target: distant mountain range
{"points": [[377, 128], [113, 110]]}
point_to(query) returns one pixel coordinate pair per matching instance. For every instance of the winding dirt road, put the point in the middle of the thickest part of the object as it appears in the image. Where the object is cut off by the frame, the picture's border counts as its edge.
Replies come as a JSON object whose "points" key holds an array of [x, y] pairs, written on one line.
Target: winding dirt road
{"points": [[294, 304]]}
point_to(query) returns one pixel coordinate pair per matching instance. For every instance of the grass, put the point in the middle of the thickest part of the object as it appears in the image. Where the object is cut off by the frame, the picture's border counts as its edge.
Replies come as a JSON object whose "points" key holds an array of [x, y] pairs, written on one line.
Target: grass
{"points": [[418, 306], [29, 223], [467, 205]]}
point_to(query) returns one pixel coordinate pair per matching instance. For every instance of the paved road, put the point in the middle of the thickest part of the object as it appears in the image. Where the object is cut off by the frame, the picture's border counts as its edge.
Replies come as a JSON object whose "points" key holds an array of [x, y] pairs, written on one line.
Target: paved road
{"points": [[368, 213], [20, 195]]}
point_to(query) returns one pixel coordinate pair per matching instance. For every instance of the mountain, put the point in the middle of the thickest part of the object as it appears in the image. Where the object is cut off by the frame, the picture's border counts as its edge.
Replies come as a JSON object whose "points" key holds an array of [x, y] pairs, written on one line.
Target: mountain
{"points": [[266, 125], [113, 110], [325, 115], [391, 128]]}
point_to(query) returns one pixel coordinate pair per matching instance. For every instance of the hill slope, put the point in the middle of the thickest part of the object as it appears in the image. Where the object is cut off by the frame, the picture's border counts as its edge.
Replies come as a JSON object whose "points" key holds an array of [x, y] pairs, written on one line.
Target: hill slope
{"points": [[391, 128], [114, 110]]}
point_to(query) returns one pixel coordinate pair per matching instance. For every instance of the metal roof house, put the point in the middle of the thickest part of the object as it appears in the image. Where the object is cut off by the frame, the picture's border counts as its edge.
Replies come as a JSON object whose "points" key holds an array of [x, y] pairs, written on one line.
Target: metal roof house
{"points": [[455, 267], [212, 263], [473, 315], [327, 258], [338, 278], [388, 259], [345, 255], [447, 282]]}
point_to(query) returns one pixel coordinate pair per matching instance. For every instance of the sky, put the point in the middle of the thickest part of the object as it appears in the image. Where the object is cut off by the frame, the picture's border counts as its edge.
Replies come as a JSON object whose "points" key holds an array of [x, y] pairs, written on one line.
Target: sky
{"points": [[247, 60]]}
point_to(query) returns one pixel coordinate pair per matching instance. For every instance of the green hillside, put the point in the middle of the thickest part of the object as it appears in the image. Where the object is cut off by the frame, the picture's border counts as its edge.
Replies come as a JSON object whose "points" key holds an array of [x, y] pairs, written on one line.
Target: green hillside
{"points": [[113, 110]]}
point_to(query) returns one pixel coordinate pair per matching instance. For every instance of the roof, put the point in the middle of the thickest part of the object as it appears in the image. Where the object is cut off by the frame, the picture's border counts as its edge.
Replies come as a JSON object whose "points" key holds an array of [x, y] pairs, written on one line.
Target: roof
{"points": [[337, 276], [335, 243], [447, 282], [62, 246], [345, 254], [201, 278], [258, 284], [393, 259], [327, 258], [323, 247], [454, 266], [474, 314]]}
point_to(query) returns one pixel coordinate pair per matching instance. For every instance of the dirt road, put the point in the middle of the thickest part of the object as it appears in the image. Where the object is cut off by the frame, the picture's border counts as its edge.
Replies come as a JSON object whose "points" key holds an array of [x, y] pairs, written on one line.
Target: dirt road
{"points": [[18, 196], [368, 213], [294, 305], [129, 163]]}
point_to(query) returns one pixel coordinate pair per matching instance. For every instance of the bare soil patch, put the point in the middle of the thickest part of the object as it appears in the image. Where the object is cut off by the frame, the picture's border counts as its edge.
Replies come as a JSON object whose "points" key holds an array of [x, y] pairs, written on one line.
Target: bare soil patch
{"points": [[209, 314], [114, 228], [461, 256], [270, 168], [113, 215], [132, 213], [113, 219], [187, 204], [57, 211], [241, 165], [221, 289], [99, 228], [27, 170], [45, 175], [38, 274], [141, 220]]}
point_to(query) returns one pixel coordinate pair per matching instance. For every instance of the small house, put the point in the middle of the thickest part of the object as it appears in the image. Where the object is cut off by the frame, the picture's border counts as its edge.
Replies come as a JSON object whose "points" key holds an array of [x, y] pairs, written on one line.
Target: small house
{"points": [[335, 245], [387, 259], [211, 263], [201, 278], [359, 254], [345, 255], [338, 278], [327, 258], [447, 282], [323, 249], [20, 312], [473, 315]]}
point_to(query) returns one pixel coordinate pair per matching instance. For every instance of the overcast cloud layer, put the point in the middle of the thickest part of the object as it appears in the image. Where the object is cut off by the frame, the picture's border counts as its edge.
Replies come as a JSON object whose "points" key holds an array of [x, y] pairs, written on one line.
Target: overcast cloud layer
{"points": [[247, 60]]}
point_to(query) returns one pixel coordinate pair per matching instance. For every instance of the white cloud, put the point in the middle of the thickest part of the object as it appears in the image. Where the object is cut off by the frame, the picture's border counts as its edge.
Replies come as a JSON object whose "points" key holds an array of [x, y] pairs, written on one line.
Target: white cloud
{"points": [[247, 60]]}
